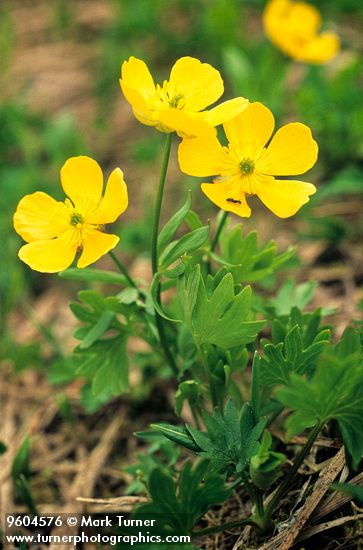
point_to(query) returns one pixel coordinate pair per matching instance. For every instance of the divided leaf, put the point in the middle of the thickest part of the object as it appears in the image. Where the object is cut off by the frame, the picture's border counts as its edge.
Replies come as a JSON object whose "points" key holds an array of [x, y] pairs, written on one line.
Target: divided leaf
{"points": [[231, 439], [181, 504], [291, 355], [248, 262], [334, 392], [214, 313], [106, 364], [101, 354], [265, 465]]}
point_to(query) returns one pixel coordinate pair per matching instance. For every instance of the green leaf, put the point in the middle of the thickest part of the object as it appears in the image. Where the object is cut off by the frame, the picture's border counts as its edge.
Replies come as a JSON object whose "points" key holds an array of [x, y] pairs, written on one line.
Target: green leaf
{"points": [[91, 402], [290, 356], [190, 391], [113, 368], [334, 392], [3, 448], [154, 293], [90, 275], [291, 295], [297, 343], [171, 227], [185, 245], [248, 262], [21, 462], [23, 492], [219, 317], [350, 489], [98, 329], [182, 503], [265, 465], [178, 435], [231, 438], [106, 364]]}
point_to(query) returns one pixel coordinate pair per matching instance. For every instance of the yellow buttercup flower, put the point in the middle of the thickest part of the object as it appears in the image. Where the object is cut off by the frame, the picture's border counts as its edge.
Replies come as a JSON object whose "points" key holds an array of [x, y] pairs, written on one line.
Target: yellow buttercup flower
{"points": [[246, 167], [179, 104], [294, 28], [55, 230]]}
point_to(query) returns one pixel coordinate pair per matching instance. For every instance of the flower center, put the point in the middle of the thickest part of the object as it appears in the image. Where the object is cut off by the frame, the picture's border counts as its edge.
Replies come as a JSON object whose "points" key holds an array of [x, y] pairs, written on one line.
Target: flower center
{"points": [[247, 166], [76, 219], [175, 101]]}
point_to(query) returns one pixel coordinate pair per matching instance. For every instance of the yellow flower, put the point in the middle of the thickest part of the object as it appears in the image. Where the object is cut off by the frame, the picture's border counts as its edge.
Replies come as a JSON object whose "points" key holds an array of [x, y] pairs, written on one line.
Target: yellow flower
{"points": [[294, 28], [55, 230], [179, 104], [246, 167]]}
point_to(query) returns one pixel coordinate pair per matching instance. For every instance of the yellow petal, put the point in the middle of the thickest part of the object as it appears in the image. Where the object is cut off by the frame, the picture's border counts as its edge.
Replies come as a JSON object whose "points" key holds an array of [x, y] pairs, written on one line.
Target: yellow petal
{"points": [[139, 105], [228, 197], [51, 255], [284, 20], [284, 197], [82, 181], [95, 245], [202, 156], [183, 122], [198, 83], [39, 216], [114, 202], [250, 131], [320, 49], [136, 75], [225, 111], [304, 19], [292, 151]]}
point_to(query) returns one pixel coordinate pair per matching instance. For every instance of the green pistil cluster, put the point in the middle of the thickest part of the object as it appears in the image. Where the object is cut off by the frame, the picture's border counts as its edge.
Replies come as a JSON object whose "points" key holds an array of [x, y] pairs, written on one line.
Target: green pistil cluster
{"points": [[247, 167], [76, 218], [175, 101]]}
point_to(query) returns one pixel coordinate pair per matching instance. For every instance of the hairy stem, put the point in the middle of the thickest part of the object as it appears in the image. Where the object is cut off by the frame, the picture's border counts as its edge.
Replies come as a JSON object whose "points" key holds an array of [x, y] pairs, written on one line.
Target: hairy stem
{"points": [[154, 252]]}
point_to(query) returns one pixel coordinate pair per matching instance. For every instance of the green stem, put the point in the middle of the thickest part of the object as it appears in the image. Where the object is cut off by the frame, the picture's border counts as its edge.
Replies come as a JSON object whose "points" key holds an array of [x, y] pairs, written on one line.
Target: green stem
{"points": [[219, 229], [286, 483], [249, 488], [158, 203], [236, 483], [154, 252], [208, 376], [222, 527], [123, 270], [259, 503]]}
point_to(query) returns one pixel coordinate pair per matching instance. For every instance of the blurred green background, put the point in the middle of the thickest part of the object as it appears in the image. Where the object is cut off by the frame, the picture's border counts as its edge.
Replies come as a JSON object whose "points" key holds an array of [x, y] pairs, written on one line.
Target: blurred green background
{"points": [[59, 68]]}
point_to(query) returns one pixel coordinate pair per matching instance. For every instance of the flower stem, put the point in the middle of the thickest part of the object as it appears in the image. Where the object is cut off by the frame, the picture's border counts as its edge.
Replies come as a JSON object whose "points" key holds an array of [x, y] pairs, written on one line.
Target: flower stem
{"points": [[154, 251], [286, 483], [219, 229], [123, 270], [158, 203]]}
